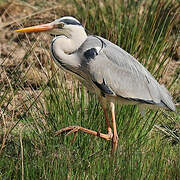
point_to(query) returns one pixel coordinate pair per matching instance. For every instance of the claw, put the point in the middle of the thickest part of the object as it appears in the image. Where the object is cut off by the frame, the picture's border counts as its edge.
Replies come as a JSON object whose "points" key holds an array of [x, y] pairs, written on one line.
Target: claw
{"points": [[70, 128], [76, 129]]}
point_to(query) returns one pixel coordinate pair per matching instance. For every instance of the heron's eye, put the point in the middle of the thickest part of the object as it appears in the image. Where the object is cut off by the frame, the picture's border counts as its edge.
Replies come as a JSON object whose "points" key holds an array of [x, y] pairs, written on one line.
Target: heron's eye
{"points": [[60, 26]]}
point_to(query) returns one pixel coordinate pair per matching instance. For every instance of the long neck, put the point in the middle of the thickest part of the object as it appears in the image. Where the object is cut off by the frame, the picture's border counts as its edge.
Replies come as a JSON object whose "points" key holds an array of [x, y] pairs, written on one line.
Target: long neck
{"points": [[63, 47]]}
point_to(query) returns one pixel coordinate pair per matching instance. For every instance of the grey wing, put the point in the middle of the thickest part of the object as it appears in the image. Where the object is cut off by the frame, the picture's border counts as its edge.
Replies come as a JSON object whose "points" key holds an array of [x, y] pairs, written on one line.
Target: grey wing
{"points": [[117, 73]]}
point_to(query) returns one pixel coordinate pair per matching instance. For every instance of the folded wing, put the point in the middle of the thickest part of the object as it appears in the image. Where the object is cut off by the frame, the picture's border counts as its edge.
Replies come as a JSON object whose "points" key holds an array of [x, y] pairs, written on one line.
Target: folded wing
{"points": [[117, 73]]}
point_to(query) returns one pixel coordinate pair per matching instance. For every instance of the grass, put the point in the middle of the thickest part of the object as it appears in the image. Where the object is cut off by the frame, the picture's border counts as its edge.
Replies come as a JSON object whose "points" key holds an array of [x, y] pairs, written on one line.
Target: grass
{"points": [[29, 149]]}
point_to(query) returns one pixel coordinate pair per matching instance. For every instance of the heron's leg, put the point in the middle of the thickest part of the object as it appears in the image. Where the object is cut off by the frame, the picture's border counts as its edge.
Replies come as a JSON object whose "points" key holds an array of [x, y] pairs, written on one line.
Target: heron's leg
{"points": [[108, 123], [104, 106], [115, 135], [75, 129]]}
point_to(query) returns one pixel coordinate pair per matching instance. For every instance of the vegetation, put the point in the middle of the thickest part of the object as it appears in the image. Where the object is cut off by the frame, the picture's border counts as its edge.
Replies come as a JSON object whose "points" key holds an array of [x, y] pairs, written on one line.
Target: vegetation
{"points": [[37, 98]]}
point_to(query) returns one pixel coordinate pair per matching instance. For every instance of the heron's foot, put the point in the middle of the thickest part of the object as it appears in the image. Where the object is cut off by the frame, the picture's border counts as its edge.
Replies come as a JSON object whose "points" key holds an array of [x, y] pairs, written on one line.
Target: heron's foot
{"points": [[75, 129]]}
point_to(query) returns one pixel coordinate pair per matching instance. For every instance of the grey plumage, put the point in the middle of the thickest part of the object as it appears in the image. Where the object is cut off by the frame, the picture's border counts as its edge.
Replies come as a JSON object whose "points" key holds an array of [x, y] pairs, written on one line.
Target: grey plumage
{"points": [[121, 74]]}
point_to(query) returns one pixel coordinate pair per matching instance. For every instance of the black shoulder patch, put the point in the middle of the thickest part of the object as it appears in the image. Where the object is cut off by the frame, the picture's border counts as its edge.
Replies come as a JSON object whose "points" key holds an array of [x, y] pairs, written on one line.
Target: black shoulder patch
{"points": [[103, 87], [90, 53]]}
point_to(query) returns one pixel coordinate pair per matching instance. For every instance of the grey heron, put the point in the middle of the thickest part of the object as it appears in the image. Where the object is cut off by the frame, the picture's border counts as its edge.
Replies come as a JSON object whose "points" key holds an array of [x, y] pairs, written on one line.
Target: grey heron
{"points": [[105, 69]]}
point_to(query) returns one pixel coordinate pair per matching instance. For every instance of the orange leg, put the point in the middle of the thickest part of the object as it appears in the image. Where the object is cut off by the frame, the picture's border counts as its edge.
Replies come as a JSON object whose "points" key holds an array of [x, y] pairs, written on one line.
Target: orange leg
{"points": [[75, 129], [108, 136], [109, 130], [115, 135]]}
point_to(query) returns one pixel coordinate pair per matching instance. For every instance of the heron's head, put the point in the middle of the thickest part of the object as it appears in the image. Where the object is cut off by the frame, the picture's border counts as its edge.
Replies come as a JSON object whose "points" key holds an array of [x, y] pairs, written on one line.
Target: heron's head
{"points": [[67, 26]]}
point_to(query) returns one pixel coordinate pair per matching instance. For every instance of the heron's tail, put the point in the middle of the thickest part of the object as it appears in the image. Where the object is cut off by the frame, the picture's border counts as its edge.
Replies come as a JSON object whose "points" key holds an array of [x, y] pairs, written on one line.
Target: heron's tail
{"points": [[166, 98]]}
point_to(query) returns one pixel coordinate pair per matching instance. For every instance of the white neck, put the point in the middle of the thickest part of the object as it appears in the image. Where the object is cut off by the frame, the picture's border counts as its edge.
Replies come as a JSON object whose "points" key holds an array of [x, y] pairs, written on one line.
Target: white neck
{"points": [[62, 47]]}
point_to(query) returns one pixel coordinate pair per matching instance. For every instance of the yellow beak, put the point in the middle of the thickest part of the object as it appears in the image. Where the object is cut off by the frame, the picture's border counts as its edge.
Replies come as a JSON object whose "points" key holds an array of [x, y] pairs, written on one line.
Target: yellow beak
{"points": [[39, 28]]}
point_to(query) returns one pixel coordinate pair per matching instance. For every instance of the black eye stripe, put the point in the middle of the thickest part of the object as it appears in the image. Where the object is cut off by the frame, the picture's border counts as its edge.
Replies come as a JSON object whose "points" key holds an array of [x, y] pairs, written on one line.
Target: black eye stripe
{"points": [[70, 21], [60, 26]]}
